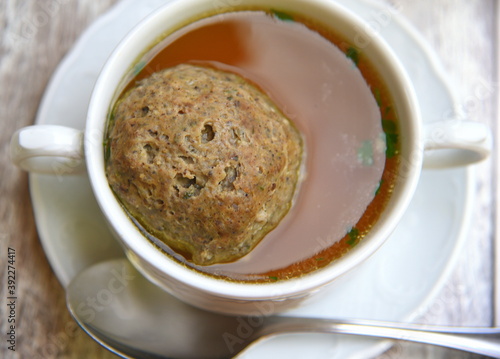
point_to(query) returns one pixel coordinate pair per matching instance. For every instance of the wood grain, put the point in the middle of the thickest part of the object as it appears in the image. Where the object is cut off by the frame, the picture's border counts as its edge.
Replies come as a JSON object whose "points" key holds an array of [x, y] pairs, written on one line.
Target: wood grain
{"points": [[34, 37]]}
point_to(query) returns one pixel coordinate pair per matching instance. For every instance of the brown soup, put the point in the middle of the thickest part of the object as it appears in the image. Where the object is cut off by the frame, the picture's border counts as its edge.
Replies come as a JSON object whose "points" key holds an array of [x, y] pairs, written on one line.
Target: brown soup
{"points": [[332, 94]]}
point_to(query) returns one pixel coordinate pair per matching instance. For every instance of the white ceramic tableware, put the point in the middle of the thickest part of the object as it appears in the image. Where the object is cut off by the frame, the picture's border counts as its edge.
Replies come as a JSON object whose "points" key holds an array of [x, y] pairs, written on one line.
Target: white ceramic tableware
{"points": [[59, 150]]}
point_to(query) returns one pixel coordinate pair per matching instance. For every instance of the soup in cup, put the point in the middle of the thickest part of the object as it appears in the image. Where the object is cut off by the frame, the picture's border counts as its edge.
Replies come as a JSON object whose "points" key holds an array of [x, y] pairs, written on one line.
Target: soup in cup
{"points": [[248, 153]]}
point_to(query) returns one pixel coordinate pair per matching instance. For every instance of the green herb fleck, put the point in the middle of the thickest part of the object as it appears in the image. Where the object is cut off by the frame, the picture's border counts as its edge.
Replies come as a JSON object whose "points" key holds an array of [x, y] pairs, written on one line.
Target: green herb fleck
{"points": [[283, 16], [391, 143], [274, 279], [353, 54], [188, 195], [389, 126], [391, 138], [319, 259], [353, 237], [377, 191], [378, 96]]}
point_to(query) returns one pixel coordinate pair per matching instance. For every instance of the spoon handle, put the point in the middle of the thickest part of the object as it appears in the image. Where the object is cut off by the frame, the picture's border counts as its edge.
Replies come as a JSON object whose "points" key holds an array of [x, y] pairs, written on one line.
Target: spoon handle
{"points": [[479, 340]]}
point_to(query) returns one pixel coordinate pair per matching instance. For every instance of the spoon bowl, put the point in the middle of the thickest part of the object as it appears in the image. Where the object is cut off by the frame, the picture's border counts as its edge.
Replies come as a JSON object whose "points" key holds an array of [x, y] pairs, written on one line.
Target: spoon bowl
{"points": [[133, 318]]}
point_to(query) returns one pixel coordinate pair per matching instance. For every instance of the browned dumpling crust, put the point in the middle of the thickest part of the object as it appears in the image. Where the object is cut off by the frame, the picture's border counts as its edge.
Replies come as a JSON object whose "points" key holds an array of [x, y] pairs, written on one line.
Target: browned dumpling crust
{"points": [[203, 160]]}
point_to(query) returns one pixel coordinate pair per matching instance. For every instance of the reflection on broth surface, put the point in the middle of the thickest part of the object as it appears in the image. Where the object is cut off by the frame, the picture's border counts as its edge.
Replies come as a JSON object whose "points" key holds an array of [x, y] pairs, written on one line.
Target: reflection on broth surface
{"points": [[328, 89]]}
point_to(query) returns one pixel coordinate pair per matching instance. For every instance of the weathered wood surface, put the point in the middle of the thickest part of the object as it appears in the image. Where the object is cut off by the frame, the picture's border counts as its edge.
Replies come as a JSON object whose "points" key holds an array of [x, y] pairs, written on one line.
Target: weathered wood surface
{"points": [[35, 35]]}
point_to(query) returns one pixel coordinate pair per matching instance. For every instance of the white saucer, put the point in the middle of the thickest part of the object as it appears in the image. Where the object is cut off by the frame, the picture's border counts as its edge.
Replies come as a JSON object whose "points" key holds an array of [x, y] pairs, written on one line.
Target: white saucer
{"points": [[397, 283]]}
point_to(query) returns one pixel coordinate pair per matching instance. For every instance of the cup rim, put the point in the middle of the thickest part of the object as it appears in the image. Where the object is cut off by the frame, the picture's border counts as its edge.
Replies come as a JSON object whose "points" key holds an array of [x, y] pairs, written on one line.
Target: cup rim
{"points": [[137, 244]]}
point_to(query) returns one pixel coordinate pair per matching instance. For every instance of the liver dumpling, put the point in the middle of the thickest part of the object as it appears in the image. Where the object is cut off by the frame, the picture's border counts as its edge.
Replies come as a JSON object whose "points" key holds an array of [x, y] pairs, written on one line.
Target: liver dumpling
{"points": [[203, 160]]}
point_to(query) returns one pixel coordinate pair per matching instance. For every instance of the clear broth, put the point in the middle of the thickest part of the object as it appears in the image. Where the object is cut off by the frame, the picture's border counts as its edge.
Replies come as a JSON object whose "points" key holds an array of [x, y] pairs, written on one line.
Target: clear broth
{"points": [[340, 105]]}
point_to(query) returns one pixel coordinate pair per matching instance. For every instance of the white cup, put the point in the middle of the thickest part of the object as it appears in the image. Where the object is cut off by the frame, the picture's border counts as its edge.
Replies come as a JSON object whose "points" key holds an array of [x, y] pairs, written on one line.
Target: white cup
{"points": [[61, 150]]}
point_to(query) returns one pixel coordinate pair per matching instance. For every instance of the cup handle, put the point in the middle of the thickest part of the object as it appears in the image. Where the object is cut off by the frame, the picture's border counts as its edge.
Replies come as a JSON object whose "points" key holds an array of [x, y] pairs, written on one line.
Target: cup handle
{"points": [[454, 143], [48, 149]]}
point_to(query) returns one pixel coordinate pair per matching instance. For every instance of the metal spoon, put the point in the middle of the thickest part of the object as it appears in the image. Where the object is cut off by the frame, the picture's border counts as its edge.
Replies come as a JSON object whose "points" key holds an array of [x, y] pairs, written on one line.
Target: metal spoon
{"points": [[133, 318]]}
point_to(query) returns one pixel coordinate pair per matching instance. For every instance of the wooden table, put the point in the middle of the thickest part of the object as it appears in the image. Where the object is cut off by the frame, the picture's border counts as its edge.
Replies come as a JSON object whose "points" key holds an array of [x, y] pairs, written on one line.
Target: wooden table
{"points": [[34, 37]]}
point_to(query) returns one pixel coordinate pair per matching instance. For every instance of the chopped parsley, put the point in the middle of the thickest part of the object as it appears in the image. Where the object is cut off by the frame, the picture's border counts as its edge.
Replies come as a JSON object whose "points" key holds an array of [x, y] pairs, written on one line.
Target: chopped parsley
{"points": [[392, 149], [389, 126], [378, 97], [283, 16], [377, 191], [353, 54], [391, 137], [353, 237]]}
